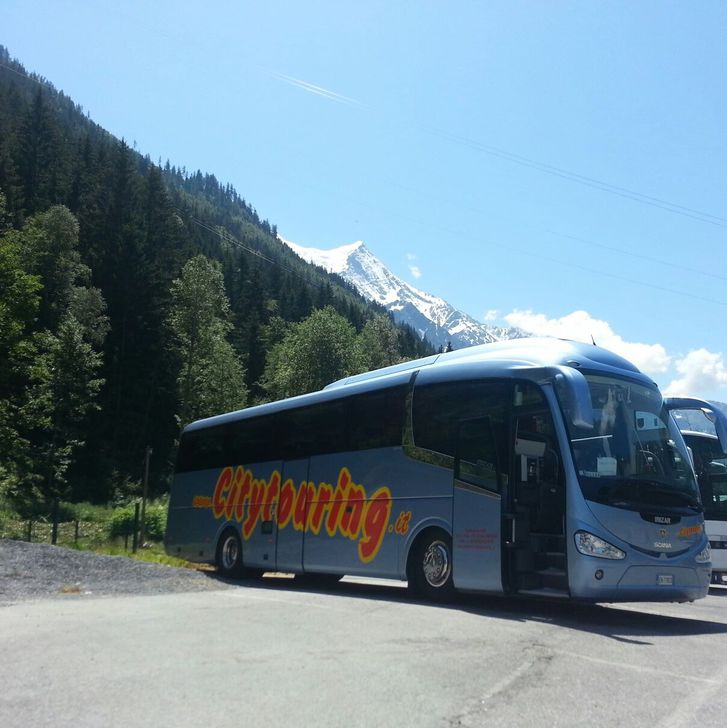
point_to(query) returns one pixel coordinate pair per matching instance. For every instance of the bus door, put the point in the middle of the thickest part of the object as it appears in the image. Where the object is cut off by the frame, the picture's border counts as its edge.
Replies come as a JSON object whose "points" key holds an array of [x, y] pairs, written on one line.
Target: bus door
{"points": [[291, 519], [537, 500], [259, 528], [477, 508]]}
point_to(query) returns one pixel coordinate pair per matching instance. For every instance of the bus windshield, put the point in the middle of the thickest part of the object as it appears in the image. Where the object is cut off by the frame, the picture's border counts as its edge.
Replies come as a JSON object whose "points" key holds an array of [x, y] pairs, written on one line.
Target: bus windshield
{"points": [[710, 464], [634, 457]]}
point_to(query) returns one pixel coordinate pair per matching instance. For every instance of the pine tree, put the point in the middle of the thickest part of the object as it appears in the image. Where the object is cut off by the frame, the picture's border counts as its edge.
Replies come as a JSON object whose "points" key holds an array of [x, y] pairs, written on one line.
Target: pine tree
{"points": [[317, 351], [19, 302], [63, 391], [60, 360], [42, 162], [211, 377], [379, 342]]}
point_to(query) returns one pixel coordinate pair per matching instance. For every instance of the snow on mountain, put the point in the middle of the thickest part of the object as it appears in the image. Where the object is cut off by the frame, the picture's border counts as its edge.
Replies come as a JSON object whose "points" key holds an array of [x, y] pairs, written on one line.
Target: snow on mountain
{"points": [[430, 316]]}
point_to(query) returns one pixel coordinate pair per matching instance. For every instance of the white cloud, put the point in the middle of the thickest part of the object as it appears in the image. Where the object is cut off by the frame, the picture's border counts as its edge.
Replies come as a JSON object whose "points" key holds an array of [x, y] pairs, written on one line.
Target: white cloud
{"points": [[411, 256], [652, 359], [492, 315], [703, 374], [415, 271]]}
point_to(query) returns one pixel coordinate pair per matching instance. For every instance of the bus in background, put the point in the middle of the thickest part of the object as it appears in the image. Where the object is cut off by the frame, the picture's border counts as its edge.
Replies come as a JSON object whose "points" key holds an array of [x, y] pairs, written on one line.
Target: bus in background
{"points": [[710, 466], [530, 466]]}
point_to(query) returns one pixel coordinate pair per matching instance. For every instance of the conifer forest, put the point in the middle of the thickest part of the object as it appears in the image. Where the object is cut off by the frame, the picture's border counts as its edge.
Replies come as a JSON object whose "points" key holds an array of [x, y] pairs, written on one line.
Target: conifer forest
{"points": [[136, 297]]}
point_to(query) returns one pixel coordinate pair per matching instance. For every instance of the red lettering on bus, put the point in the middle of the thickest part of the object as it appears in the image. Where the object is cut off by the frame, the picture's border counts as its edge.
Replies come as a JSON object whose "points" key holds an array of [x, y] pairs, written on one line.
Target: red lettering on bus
{"points": [[271, 495], [334, 514], [346, 509], [244, 493], [323, 499], [257, 494], [233, 494], [377, 516], [287, 498], [222, 486], [353, 513], [301, 505]]}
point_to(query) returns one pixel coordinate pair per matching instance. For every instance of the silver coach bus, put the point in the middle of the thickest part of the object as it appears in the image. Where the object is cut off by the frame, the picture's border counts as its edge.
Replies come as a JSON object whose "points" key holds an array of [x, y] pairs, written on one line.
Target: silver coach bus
{"points": [[531, 466]]}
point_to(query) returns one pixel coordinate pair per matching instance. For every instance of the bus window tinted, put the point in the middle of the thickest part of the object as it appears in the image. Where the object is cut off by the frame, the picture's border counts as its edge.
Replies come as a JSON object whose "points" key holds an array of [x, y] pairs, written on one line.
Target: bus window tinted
{"points": [[376, 419], [439, 408], [252, 440], [366, 421], [315, 430], [202, 449]]}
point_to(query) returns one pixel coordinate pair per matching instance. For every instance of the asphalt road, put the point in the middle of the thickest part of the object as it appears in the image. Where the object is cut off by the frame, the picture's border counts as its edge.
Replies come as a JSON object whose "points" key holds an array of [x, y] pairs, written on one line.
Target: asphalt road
{"points": [[358, 654]]}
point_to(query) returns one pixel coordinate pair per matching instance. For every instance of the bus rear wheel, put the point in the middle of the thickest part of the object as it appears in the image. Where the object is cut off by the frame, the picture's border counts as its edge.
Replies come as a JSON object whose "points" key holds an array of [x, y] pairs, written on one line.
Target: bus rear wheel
{"points": [[229, 554], [430, 571]]}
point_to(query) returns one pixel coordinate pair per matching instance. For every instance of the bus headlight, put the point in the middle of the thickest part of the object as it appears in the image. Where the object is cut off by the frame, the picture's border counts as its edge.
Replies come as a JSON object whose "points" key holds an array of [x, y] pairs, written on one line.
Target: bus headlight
{"points": [[704, 555], [591, 545]]}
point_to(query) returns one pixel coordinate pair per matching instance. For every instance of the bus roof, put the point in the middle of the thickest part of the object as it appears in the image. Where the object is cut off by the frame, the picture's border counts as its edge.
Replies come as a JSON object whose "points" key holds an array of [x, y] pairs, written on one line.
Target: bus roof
{"points": [[501, 357], [530, 351]]}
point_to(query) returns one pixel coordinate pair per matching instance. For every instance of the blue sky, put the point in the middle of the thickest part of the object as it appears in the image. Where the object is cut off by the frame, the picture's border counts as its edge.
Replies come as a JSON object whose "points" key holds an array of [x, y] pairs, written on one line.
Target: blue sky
{"points": [[554, 165]]}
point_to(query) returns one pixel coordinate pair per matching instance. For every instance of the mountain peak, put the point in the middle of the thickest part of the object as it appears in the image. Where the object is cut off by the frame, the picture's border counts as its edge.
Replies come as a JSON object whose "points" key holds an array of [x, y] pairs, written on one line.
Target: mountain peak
{"points": [[334, 260], [432, 317]]}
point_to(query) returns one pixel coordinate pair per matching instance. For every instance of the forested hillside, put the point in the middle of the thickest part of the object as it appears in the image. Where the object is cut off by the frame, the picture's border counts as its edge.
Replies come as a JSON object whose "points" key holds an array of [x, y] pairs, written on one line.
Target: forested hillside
{"points": [[136, 297]]}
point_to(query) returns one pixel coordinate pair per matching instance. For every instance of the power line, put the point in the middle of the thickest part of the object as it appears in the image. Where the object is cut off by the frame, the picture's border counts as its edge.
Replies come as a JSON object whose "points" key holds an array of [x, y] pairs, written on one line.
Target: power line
{"points": [[624, 192], [524, 161], [567, 263], [652, 259], [520, 159], [225, 236], [585, 180], [641, 256]]}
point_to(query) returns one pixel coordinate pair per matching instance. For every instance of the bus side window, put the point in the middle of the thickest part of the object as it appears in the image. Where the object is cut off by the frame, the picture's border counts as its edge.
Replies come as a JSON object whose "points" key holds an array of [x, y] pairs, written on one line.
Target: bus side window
{"points": [[202, 449], [477, 454], [376, 419], [316, 430], [438, 410]]}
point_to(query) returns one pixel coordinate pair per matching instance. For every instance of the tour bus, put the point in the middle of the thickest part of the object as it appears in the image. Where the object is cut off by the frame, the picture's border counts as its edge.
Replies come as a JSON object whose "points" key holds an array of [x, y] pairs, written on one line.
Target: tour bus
{"points": [[710, 465], [523, 467]]}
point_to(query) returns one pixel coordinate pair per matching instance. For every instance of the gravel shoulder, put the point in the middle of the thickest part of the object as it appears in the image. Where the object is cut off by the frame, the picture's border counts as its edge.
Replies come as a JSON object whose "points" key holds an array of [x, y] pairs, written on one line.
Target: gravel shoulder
{"points": [[31, 571]]}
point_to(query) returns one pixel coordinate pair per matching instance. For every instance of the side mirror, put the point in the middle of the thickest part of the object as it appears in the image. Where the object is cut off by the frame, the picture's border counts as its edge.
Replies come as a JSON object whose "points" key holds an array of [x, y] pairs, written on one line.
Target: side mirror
{"points": [[572, 388], [572, 385]]}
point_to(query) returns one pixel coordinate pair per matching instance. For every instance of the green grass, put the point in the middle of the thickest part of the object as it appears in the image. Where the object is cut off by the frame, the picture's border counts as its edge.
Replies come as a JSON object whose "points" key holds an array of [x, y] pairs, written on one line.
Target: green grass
{"points": [[94, 529], [153, 553]]}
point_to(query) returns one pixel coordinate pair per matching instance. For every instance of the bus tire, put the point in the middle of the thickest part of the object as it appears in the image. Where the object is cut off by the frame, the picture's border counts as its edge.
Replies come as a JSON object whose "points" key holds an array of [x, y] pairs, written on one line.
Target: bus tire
{"points": [[229, 555], [430, 566]]}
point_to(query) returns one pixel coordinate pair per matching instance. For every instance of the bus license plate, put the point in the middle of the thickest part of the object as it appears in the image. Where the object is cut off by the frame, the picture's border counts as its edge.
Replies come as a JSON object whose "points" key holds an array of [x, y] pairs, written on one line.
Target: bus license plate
{"points": [[665, 580]]}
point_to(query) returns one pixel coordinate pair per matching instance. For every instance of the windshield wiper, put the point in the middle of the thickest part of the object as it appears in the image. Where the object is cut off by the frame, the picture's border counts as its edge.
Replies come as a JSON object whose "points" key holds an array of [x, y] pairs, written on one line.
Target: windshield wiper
{"points": [[649, 489]]}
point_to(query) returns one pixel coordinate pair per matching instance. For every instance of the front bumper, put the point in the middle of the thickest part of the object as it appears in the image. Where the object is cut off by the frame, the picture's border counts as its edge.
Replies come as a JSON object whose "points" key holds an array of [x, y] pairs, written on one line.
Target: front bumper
{"points": [[598, 580]]}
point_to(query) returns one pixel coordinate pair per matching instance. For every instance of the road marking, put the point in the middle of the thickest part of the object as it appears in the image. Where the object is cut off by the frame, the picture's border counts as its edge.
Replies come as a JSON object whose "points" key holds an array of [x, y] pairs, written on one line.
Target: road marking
{"points": [[681, 676], [475, 714], [686, 712]]}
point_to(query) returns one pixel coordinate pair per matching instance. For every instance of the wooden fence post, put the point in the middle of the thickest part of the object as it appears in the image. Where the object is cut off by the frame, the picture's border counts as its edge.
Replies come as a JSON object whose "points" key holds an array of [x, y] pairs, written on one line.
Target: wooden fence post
{"points": [[54, 530], [135, 540]]}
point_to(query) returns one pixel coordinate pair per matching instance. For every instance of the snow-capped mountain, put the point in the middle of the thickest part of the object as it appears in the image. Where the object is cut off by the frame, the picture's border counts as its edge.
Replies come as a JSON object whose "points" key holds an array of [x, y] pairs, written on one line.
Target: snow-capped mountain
{"points": [[430, 316]]}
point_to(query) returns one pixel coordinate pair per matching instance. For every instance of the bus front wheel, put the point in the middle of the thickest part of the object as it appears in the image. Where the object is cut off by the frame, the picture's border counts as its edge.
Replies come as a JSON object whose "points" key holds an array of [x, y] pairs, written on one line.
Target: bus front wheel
{"points": [[430, 571]]}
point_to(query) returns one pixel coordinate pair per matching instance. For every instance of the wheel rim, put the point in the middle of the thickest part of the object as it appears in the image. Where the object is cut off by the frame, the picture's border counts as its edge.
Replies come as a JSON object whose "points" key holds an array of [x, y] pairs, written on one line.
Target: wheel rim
{"points": [[230, 553], [436, 564]]}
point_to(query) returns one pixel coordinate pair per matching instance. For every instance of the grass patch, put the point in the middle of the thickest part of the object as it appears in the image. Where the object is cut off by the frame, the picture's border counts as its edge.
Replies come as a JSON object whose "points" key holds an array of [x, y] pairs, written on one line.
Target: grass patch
{"points": [[103, 530], [153, 554]]}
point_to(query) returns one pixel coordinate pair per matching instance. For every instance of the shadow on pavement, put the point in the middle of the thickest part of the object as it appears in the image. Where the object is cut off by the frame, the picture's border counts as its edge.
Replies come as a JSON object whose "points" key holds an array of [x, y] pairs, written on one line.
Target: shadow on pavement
{"points": [[624, 623]]}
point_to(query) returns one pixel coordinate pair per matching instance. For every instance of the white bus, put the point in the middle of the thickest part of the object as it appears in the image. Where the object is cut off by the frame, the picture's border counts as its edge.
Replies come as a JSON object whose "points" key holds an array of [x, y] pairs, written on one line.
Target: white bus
{"points": [[710, 465], [532, 466]]}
